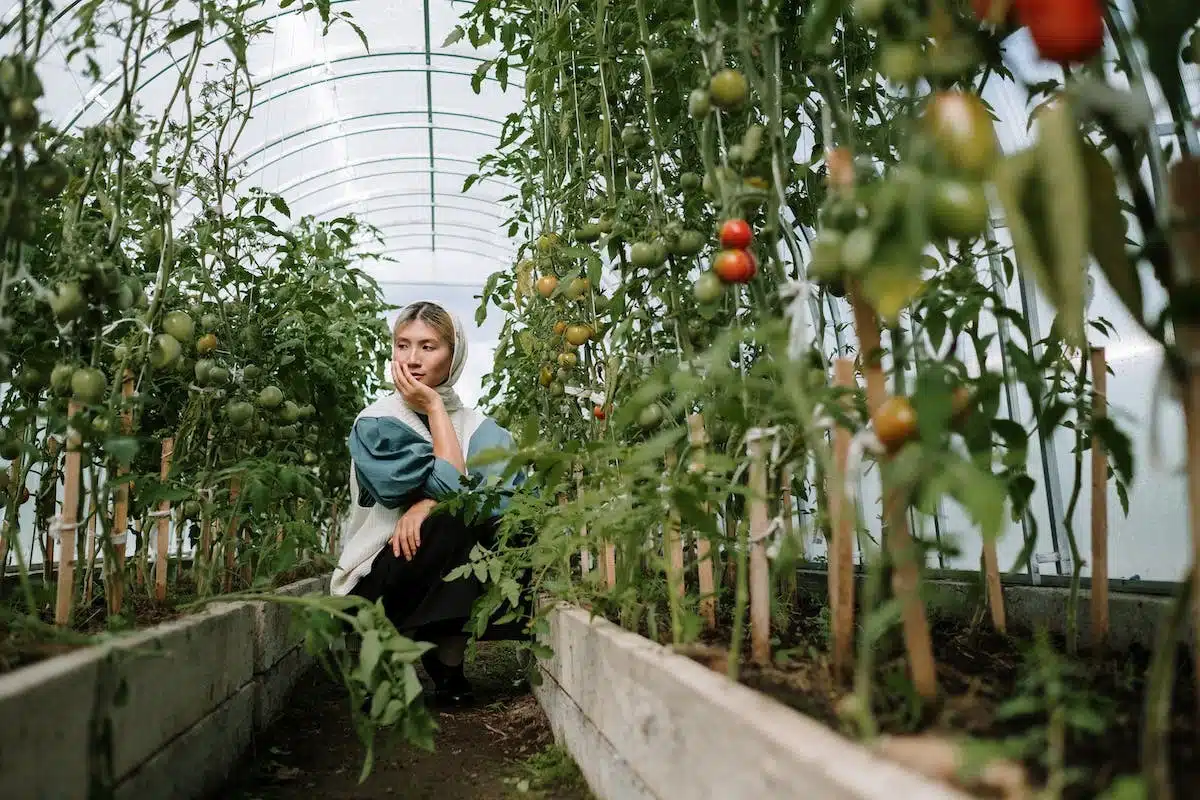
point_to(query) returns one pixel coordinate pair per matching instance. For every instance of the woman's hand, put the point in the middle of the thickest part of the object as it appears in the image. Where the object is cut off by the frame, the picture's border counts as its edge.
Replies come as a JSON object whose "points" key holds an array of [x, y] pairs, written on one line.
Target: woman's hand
{"points": [[421, 397], [407, 537]]}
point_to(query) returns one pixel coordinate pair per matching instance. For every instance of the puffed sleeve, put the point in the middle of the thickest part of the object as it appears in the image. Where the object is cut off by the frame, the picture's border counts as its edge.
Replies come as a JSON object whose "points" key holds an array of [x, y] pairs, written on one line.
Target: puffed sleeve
{"points": [[487, 439], [394, 464]]}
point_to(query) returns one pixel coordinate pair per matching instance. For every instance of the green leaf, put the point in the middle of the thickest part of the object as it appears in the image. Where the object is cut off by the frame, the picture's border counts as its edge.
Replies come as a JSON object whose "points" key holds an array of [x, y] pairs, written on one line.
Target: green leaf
{"points": [[180, 31], [1106, 226], [368, 655], [470, 181], [981, 494], [820, 21], [362, 37], [454, 36], [1063, 179], [279, 205]]}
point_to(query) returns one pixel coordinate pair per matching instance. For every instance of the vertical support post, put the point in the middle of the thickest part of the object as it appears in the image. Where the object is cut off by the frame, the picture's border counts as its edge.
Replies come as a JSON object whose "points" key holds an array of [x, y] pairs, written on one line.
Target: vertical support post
{"points": [[841, 548], [49, 484], [162, 546], [995, 589], [67, 519], [760, 578], [584, 554], [906, 574]]}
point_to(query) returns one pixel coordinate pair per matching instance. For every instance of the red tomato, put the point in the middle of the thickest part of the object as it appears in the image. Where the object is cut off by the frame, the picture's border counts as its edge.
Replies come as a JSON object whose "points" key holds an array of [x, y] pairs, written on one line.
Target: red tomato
{"points": [[1065, 31], [735, 266], [736, 234], [599, 413]]}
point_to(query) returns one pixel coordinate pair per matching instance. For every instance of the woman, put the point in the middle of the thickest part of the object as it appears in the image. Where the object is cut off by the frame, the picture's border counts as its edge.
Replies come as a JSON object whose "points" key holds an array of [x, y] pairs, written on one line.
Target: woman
{"points": [[407, 451]]}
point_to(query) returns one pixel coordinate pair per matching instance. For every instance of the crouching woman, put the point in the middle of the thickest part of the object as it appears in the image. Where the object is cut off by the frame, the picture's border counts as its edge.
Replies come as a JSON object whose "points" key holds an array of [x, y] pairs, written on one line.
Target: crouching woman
{"points": [[409, 451]]}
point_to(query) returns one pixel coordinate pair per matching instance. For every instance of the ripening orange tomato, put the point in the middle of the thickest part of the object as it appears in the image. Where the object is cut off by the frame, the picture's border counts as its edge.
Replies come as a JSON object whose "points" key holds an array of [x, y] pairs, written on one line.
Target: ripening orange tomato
{"points": [[895, 422], [735, 266]]}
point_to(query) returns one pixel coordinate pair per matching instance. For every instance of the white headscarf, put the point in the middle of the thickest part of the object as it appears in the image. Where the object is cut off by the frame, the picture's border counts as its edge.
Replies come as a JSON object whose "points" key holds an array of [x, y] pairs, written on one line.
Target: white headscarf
{"points": [[458, 361]]}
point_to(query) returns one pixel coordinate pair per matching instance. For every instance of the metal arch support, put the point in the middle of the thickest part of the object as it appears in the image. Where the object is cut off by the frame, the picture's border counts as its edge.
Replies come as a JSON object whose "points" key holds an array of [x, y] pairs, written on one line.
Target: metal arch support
{"points": [[448, 206], [331, 170], [356, 117], [400, 225], [367, 73], [429, 119], [391, 195], [272, 77], [471, 239], [397, 157], [114, 76]]}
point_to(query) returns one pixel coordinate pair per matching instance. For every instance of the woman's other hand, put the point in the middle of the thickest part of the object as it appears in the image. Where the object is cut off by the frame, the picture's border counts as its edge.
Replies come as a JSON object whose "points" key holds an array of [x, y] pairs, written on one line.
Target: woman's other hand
{"points": [[407, 537], [421, 397]]}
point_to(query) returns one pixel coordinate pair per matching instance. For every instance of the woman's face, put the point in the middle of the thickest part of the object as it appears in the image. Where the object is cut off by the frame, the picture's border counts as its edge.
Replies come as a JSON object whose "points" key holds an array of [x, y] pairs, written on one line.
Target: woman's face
{"points": [[418, 347]]}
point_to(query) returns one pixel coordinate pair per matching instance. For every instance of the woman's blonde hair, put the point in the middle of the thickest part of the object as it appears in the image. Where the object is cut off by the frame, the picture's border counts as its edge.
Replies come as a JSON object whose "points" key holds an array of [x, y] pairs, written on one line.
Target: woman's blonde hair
{"points": [[432, 315]]}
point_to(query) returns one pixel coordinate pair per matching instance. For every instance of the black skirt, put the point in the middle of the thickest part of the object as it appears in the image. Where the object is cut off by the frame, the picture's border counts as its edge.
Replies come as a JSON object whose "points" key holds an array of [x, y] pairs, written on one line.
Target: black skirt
{"points": [[416, 596]]}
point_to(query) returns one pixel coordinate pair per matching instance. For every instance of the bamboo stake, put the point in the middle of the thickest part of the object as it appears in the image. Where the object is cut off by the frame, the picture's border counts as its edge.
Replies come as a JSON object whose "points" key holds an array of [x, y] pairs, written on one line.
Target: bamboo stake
{"points": [[1099, 595], [760, 577], [841, 548], [162, 547], [90, 549], [674, 537], [995, 589], [906, 574], [115, 580], [786, 507], [704, 566], [66, 527]]}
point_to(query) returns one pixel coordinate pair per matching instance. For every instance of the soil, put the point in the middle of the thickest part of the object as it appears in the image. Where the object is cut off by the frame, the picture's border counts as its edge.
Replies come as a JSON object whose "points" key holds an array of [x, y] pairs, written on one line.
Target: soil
{"points": [[25, 640], [979, 672], [497, 749]]}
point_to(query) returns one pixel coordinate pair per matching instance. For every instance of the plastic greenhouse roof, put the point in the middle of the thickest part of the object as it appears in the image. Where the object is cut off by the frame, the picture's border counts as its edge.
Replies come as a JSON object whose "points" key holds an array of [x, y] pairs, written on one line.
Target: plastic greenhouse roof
{"points": [[388, 133]]}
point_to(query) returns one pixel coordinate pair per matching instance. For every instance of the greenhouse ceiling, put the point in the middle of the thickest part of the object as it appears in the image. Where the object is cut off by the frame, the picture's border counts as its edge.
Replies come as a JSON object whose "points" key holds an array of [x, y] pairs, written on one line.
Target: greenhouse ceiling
{"points": [[387, 130]]}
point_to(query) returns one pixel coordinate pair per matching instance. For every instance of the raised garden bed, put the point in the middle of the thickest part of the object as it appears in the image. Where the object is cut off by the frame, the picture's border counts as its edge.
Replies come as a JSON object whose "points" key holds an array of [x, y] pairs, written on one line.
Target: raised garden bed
{"points": [[644, 722], [163, 712]]}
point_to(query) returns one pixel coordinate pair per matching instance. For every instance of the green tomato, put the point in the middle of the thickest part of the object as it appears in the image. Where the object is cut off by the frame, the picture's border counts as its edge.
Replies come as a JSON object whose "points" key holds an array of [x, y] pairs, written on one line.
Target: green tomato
{"points": [[88, 385], [164, 351], [270, 397], [699, 104], [179, 324]]}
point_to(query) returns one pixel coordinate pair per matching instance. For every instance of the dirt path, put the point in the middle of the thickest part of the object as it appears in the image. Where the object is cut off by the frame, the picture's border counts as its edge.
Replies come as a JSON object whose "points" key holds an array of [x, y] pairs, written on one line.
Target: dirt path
{"points": [[499, 749]]}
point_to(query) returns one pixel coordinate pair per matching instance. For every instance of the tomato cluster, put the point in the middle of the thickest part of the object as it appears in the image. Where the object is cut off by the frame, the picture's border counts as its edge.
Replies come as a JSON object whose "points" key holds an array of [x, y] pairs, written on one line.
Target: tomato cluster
{"points": [[735, 263]]}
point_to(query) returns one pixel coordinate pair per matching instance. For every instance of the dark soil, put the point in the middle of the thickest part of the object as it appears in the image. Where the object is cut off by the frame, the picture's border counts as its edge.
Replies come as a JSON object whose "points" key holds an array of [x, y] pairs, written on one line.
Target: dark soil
{"points": [[26, 640], [499, 748], [979, 671]]}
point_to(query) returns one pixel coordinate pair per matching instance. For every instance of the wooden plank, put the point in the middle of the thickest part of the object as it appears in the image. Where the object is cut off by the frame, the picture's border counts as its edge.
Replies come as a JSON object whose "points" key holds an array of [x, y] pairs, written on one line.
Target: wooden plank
{"points": [[698, 439], [760, 571], [67, 520], [162, 548]]}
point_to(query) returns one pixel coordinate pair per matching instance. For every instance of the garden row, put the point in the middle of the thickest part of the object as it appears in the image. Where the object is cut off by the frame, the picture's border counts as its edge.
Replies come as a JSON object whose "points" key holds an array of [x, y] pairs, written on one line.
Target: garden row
{"points": [[758, 256]]}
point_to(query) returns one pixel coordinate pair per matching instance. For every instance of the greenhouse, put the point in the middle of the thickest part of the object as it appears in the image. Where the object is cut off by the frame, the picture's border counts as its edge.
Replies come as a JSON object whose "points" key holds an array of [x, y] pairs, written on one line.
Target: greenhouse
{"points": [[658, 399]]}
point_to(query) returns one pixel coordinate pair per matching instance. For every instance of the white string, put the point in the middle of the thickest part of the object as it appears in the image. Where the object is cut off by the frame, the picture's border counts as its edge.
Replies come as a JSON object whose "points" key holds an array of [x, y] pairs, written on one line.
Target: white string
{"points": [[801, 336], [58, 526]]}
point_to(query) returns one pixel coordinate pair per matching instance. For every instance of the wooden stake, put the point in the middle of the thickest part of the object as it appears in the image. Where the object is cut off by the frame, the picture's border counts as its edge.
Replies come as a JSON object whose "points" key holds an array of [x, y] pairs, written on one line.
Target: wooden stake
{"points": [[841, 548], [760, 575], [1099, 504], [786, 509], [115, 573], [67, 519], [698, 438], [162, 547], [995, 589], [906, 573]]}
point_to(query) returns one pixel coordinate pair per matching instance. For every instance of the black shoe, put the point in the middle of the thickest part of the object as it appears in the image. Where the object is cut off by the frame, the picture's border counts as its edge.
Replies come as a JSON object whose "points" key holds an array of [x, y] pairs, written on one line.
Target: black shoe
{"points": [[450, 685]]}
